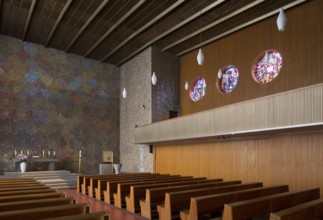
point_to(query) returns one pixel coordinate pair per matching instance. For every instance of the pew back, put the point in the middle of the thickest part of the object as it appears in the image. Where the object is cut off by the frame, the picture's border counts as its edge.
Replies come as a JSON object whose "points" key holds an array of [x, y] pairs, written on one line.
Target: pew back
{"points": [[262, 206], [310, 210]]}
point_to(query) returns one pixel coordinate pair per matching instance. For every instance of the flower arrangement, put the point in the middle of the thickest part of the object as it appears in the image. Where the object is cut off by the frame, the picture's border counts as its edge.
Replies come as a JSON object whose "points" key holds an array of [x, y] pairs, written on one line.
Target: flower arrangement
{"points": [[22, 157]]}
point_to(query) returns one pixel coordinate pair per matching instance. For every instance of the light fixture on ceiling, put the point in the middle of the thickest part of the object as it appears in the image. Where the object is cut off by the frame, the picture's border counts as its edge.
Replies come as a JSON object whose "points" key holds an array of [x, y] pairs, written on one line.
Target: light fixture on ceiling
{"points": [[281, 20], [124, 93], [200, 57], [186, 85], [154, 79], [266, 57]]}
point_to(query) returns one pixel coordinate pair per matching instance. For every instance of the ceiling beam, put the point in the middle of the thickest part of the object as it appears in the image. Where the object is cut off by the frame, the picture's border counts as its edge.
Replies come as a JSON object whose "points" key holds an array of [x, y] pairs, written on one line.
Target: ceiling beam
{"points": [[31, 11], [96, 12], [209, 7], [169, 9], [59, 19], [276, 11], [115, 26], [182, 39]]}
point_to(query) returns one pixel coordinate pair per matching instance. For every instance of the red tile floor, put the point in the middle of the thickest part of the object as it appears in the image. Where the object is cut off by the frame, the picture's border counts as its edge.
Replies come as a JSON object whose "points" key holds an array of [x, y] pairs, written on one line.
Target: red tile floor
{"points": [[115, 213]]}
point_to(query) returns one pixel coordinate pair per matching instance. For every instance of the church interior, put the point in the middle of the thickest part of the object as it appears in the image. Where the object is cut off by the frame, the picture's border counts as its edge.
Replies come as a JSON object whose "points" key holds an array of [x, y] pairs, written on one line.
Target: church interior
{"points": [[135, 109]]}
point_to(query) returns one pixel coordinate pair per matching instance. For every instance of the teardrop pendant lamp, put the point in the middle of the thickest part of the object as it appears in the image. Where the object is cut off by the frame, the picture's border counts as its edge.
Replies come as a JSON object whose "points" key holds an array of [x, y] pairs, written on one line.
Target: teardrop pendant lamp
{"points": [[154, 79], [200, 57], [281, 20], [124, 93], [186, 85]]}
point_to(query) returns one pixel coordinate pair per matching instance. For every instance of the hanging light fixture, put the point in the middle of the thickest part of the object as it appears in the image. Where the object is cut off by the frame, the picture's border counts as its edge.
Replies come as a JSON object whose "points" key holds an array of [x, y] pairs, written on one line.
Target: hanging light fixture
{"points": [[281, 20], [186, 85], [220, 73], [154, 79], [266, 57], [200, 57], [124, 93]]}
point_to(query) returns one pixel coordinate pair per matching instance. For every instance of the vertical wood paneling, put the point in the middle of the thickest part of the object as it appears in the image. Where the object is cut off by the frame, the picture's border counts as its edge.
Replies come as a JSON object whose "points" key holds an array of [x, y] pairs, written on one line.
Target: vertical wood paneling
{"points": [[294, 159], [300, 45]]}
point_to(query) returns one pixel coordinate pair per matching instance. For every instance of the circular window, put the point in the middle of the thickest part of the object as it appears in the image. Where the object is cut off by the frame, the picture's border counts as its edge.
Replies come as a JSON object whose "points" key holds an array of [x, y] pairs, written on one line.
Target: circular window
{"points": [[198, 89], [266, 66], [227, 79]]}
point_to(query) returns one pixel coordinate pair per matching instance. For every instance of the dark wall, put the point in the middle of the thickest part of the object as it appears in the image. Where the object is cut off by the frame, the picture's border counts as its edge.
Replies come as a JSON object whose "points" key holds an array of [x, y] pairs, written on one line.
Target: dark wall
{"points": [[54, 101]]}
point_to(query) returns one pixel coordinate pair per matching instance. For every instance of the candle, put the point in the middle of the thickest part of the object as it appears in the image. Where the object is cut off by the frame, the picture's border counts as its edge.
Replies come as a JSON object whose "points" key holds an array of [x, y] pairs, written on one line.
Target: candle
{"points": [[49, 153], [43, 153], [15, 152], [80, 154], [27, 152], [21, 152], [54, 153]]}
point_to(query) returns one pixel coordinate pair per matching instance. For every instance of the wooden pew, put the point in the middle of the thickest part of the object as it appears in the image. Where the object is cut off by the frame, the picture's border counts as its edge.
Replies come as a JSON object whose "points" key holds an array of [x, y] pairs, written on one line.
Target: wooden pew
{"points": [[31, 191], [156, 196], [209, 204], [11, 180], [123, 189], [10, 206], [95, 181], [104, 215], [309, 210], [112, 187], [265, 205], [103, 185], [87, 179], [24, 188], [15, 184], [17, 198], [176, 201], [80, 178], [46, 212], [138, 192]]}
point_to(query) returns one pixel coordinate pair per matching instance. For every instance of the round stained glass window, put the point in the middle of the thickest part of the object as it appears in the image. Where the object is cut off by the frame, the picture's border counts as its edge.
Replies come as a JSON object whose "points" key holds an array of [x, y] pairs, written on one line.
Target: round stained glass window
{"points": [[198, 89], [227, 79], [267, 65]]}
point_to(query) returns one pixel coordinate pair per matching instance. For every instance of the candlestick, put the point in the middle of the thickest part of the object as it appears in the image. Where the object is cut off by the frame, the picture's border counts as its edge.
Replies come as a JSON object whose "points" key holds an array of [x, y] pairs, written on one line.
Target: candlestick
{"points": [[80, 153], [49, 153], [15, 152], [21, 152], [43, 153], [54, 153], [27, 152]]}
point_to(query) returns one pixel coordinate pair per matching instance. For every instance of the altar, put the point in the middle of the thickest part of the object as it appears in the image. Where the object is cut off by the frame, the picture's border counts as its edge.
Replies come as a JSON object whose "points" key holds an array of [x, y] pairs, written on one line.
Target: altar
{"points": [[50, 161]]}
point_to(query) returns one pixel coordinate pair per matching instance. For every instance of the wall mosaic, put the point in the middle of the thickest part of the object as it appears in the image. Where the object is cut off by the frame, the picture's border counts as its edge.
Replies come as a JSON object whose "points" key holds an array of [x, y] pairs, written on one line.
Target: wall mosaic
{"points": [[51, 100]]}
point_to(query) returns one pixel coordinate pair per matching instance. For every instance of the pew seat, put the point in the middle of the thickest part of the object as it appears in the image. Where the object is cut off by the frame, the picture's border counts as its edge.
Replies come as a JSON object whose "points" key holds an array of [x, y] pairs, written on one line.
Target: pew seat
{"points": [[17, 198], [46, 212], [10, 206], [104, 215]]}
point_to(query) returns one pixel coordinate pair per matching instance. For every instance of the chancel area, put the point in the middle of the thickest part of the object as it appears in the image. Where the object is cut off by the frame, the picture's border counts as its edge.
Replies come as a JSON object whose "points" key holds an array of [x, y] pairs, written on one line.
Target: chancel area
{"points": [[161, 109]]}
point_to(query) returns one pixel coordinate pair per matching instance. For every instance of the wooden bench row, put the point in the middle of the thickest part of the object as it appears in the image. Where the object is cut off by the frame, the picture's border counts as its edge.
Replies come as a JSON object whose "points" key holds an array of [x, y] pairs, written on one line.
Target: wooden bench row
{"points": [[191, 198], [37, 201]]}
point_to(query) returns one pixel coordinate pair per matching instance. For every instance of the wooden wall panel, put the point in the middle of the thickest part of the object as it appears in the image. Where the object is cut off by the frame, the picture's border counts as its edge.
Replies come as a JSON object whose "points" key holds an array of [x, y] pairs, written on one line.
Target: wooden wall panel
{"points": [[294, 159], [300, 45]]}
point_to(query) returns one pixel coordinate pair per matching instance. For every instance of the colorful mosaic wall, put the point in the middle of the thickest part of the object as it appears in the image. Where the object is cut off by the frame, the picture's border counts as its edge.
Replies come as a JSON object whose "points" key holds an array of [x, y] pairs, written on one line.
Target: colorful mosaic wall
{"points": [[51, 100]]}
